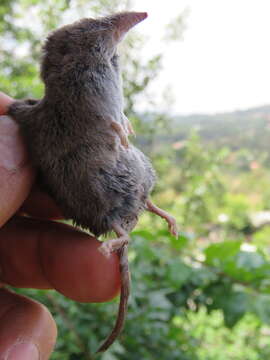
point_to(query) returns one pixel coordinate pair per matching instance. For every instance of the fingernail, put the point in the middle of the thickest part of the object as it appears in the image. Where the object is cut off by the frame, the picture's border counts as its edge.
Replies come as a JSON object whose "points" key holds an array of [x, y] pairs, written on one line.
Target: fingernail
{"points": [[23, 351]]}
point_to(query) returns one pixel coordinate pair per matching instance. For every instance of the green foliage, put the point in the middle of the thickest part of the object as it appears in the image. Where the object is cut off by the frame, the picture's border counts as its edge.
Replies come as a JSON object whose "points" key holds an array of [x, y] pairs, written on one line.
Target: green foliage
{"points": [[205, 295], [171, 287], [200, 180]]}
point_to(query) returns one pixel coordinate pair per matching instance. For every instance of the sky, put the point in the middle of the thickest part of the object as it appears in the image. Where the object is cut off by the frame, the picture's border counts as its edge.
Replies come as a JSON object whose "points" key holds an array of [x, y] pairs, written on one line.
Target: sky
{"points": [[223, 61]]}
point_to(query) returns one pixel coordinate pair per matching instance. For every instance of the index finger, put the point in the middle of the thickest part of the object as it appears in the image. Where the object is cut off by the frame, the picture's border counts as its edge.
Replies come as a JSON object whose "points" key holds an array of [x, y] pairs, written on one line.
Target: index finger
{"points": [[53, 255]]}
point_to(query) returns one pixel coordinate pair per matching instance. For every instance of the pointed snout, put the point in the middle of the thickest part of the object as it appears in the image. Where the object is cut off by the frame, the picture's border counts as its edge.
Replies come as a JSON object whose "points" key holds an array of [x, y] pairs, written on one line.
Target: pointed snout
{"points": [[126, 20], [133, 18]]}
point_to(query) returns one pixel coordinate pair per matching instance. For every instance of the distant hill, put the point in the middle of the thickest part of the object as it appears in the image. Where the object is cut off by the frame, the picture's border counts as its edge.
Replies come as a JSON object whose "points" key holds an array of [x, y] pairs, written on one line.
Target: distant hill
{"points": [[240, 129]]}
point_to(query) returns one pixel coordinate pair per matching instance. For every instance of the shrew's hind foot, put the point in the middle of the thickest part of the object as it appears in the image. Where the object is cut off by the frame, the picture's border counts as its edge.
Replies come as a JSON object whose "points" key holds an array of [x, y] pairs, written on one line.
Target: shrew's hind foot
{"points": [[118, 128], [112, 245], [170, 219], [121, 246]]}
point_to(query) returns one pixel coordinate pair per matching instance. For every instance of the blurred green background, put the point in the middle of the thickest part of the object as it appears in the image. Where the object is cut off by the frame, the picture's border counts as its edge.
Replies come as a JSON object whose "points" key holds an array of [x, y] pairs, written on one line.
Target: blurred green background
{"points": [[206, 295]]}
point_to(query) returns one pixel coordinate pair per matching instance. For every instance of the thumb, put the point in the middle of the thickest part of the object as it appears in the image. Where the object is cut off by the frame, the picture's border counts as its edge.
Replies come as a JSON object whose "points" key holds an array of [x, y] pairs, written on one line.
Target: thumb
{"points": [[16, 175]]}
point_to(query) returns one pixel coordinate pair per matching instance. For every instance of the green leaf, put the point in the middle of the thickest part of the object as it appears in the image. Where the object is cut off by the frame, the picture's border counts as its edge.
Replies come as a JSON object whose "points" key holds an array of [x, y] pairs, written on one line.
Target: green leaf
{"points": [[180, 242], [261, 307], [218, 254], [158, 300], [249, 260], [236, 305], [202, 277], [247, 267], [178, 273]]}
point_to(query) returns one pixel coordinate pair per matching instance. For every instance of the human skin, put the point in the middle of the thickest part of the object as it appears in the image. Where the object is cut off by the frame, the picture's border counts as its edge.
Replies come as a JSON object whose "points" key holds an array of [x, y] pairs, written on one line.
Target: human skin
{"points": [[36, 252]]}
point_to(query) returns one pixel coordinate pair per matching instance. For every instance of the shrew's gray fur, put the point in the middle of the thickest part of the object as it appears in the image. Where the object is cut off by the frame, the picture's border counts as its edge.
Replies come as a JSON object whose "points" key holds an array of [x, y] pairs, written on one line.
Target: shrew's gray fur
{"points": [[94, 180], [77, 137]]}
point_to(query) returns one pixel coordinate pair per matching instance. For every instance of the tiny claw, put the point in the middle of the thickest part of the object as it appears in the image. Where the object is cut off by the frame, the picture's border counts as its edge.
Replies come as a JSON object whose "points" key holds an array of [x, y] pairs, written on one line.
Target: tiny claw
{"points": [[121, 133], [128, 125], [170, 220], [172, 226], [130, 129], [174, 231]]}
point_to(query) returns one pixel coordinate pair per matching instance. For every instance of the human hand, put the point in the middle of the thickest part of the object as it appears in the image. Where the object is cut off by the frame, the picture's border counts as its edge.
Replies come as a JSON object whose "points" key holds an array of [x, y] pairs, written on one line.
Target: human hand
{"points": [[38, 253]]}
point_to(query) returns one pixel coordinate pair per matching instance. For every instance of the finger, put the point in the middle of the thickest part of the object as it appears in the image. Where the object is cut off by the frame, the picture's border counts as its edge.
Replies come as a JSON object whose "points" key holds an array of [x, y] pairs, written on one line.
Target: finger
{"points": [[5, 101], [27, 329], [16, 176], [40, 205], [42, 254]]}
